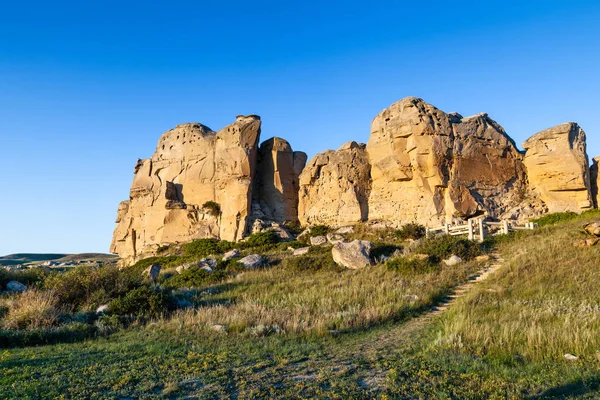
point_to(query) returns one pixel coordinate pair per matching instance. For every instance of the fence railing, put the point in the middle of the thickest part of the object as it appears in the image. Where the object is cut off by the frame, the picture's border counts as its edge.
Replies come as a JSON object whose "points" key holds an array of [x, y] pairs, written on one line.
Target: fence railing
{"points": [[479, 228]]}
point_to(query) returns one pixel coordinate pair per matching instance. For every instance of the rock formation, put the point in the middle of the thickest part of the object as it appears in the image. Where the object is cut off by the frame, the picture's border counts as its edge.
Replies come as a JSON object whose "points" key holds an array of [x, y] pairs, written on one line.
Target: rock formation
{"points": [[429, 167], [557, 167], [334, 187], [277, 180], [192, 165], [420, 165]]}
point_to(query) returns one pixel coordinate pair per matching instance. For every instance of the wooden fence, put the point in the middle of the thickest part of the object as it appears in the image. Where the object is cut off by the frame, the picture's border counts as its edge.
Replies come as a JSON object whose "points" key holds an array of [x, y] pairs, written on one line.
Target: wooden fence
{"points": [[479, 228]]}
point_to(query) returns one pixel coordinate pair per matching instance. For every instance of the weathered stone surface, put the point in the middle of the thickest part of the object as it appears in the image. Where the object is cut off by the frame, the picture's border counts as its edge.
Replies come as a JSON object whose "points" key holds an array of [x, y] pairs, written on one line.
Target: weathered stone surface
{"points": [[353, 255], [557, 168], [191, 166], [152, 272], [279, 168], [301, 251], [318, 240], [452, 260], [594, 180], [334, 238], [429, 167], [593, 227], [231, 254], [334, 187], [252, 261], [16, 287], [582, 243]]}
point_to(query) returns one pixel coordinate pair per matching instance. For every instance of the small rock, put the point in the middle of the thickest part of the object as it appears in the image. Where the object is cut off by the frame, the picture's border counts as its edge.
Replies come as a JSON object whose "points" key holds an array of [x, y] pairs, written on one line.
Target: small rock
{"points": [[102, 309], [219, 328], [301, 251], [593, 227], [482, 258], [251, 261], [334, 238], [258, 226], [570, 357], [353, 255], [318, 240], [152, 272], [231, 254], [344, 230], [16, 287], [207, 264], [453, 260], [419, 256], [586, 242], [281, 232]]}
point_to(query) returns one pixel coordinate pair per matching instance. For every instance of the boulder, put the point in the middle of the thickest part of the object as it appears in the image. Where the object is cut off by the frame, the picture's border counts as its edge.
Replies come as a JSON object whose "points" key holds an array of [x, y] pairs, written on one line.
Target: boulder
{"points": [[334, 187], [152, 272], [586, 242], [353, 255], [231, 254], [570, 357], [252, 261], [557, 168], [594, 180], [345, 230], [334, 238], [279, 168], [301, 251], [16, 287], [593, 227], [453, 260], [102, 309], [318, 240]]}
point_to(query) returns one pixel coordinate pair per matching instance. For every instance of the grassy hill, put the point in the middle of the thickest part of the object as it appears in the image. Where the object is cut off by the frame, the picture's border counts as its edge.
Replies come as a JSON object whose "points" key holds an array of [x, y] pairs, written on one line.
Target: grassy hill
{"points": [[305, 328], [27, 258]]}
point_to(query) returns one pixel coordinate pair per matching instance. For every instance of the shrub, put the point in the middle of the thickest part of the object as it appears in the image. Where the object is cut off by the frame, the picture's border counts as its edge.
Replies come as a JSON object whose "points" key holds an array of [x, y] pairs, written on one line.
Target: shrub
{"points": [[31, 276], [442, 247], [319, 230], [413, 266], [411, 231], [384, 249], [200, 248], [165, 261], [85, 288], [144, 301], [197, 277], [213, 207], [33, 309], [262, 239], [554, 218], [313, 261]]}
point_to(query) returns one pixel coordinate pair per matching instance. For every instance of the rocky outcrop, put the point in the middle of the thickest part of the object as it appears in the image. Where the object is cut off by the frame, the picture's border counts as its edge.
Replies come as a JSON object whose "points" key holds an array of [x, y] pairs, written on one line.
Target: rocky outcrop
{"points": [[594, 183], [335, 186], [192, 165], [557, 168], [430, 167], [279, 169]]}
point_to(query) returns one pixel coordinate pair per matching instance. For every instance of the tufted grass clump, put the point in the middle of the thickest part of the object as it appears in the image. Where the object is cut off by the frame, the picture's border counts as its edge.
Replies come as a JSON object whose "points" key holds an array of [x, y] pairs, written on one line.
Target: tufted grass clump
{"points": [[33, 309]]}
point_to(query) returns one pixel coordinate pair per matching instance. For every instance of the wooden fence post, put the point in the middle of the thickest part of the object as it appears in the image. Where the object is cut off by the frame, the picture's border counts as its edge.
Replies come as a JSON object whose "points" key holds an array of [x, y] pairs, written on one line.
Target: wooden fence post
{"points": [[447, 229], [470, 224], [505, 227], [481, 231]]}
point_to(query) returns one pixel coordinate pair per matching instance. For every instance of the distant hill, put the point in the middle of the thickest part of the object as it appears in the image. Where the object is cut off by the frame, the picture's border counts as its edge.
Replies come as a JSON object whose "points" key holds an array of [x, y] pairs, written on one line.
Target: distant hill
{"points": [[26, 258]]}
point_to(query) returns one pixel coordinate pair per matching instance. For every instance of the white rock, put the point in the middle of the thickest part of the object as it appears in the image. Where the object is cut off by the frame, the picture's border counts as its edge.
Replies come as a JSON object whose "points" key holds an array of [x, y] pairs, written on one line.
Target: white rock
{"points": [[334, 238], [570, 357], [301, 251], [345, 229], [453, 260], [353, 255], [102, 309], [252, 261], [231, 254], [318, 240], [17, 287]]}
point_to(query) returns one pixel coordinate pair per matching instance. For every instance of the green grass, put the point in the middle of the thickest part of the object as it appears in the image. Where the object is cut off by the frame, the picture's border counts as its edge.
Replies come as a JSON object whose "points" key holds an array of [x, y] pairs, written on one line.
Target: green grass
{"points": [[306, 328]]}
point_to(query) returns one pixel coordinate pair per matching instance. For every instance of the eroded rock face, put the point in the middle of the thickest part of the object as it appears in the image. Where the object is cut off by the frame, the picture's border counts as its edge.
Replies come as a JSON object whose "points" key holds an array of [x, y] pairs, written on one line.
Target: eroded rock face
{"points": [[191, 165], [429, 166], [594, 180], [279, 168], [335, 186], [557, 168]]}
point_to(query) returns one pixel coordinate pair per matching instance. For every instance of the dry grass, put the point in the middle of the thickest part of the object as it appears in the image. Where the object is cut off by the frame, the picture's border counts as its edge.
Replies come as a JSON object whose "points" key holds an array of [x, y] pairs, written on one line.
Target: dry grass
{"points": [[283, 300], [545, 303], [32, 309]]}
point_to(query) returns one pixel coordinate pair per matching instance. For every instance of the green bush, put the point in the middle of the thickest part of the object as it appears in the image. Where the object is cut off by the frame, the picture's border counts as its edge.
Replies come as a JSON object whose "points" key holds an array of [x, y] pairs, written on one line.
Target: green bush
{"points": [[196, 277], [319, 230], [29, 277], [442, 247], [413, 266], [201, 248], [262, 239], [164, 261], [144, 301], [311, 262], [85, 288], [554, 218], [411, 231], [213, 207], [383, 249]]}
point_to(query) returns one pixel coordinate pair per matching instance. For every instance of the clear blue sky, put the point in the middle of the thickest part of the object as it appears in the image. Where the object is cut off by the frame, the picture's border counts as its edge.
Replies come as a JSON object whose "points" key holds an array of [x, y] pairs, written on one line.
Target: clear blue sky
{"points": [[87, 87]]}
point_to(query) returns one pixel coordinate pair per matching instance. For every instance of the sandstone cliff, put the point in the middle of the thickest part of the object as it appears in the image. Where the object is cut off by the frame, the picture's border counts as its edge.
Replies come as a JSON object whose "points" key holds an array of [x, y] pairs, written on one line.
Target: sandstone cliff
{"points": [[429, 166], [192, 165], [334, 187], [557, 167]]}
